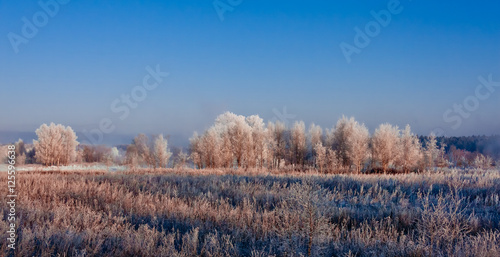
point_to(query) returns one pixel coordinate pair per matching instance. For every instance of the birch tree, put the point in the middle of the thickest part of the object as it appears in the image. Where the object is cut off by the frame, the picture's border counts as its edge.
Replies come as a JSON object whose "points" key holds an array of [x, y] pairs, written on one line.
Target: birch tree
{"points": [[315, 135], [410, 149], [239, 134], [320, 160], [350, 140], [276, 142], [340, 136], [385, 142], [357, 144], [258, 135], [298, 143]]}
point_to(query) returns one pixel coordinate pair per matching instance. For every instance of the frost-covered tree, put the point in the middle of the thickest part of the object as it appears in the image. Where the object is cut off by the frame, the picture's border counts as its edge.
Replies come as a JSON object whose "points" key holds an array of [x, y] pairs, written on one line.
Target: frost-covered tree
{"points": [[298, 143], [226, 151], [181, 159], [143, 147], [385, 143], [482, 162], [357, 144], [270, 147], [195, 150], [241, 140], [350, 140], [329, 138], [152, 152], [442, 160], [115, 155], [56, 144], [431, 153], [20, 152], [410, 150], [161, 153], [276, 143], [320, 160], [96, 153], [69, 146], [206, 149], [239, 133], [210, 144], [258, 135], [332, 160], [315, 135], [341, 133], [132, 156], [3, 154]]}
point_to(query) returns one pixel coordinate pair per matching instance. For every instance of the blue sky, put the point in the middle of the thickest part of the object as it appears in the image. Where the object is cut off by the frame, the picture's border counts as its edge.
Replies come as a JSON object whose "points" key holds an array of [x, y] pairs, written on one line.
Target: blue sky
{"points": [[264, 55]]}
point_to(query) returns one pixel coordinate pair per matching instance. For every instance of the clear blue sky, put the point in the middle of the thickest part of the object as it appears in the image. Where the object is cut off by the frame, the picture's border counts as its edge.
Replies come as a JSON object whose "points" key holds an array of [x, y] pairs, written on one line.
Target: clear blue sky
{"points": [[264, 55]]}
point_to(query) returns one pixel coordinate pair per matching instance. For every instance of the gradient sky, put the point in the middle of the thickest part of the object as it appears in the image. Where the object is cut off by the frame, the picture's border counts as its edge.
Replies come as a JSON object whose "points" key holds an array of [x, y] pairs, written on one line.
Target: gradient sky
{"points": [[264, 55]]}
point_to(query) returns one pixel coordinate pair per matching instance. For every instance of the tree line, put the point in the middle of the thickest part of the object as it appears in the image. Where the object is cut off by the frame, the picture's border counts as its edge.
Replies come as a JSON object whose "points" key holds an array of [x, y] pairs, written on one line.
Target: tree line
{"points": [[236, 141]]}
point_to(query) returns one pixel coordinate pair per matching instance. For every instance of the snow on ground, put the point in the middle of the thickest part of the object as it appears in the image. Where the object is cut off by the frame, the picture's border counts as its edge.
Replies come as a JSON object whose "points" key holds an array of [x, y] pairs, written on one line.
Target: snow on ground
{"points": [[3, 167]]}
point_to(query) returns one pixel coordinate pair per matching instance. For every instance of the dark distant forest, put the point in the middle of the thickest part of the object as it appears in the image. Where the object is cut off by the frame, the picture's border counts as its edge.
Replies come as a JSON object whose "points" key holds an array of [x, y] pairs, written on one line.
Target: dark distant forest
{"points": [[486, 145]]}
